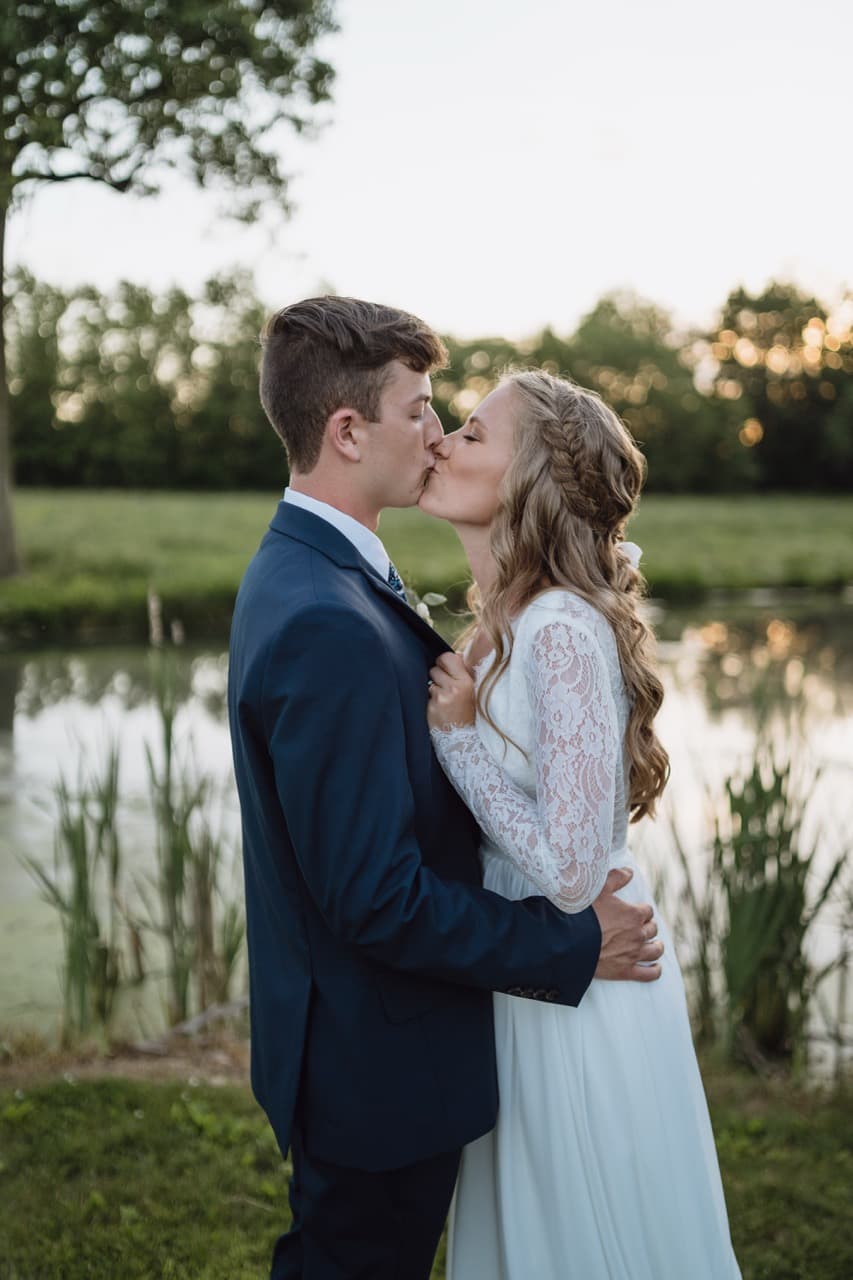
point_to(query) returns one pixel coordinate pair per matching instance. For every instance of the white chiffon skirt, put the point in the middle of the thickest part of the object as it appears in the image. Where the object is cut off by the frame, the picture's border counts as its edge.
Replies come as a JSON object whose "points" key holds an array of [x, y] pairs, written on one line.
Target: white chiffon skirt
{"points": [[602, 1165]]}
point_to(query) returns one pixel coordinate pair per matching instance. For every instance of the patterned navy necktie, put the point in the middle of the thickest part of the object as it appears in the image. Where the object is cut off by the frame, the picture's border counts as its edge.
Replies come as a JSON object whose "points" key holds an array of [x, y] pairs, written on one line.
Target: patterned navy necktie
{"points": [[395, 582]]}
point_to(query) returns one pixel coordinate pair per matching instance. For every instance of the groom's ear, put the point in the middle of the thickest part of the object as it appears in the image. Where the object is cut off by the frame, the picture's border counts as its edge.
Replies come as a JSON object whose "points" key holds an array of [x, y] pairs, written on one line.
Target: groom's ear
{"points": [[344, 434]]}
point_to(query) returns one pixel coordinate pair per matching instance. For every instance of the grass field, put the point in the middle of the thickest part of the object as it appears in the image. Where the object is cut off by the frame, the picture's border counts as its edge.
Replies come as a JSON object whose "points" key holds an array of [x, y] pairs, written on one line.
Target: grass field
{"points": [[140, 1180], [91, 555]]}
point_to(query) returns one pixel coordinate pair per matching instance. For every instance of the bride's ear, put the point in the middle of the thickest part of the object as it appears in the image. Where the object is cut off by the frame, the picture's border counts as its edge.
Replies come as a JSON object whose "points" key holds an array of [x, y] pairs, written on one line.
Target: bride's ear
{"points": [[343, 434]]}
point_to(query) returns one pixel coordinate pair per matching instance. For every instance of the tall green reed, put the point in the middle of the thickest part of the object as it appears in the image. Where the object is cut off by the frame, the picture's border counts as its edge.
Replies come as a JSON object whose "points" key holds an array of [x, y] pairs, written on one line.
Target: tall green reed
{"points": [[218, 923], [85, 891], [749, 901], [699, 909], [773, 892], [174, 806], [202, 928]]}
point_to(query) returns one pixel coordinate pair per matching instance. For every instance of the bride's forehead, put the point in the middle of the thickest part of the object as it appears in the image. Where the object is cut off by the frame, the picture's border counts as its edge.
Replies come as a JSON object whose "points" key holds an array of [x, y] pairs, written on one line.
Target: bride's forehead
{"points": [[497, 410]]}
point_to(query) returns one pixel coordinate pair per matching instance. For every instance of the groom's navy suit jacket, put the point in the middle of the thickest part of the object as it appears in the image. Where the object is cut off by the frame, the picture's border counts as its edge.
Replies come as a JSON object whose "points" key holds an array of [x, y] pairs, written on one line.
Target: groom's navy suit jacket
{"points": [[373, 948]]}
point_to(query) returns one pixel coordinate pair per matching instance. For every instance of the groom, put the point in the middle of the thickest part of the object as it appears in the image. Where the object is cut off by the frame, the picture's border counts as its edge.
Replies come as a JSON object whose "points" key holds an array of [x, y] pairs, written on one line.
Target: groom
{"points": [[373, 948]]}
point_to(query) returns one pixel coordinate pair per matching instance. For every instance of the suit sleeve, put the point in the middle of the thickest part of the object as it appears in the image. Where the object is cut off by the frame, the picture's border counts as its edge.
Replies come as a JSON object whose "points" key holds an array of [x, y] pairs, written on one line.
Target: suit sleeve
{"points": [[336, 740]]}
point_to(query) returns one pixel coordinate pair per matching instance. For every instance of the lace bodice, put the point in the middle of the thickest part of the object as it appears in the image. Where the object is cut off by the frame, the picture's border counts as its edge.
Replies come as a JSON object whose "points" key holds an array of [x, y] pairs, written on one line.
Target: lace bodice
{"points": [[555, 803]]}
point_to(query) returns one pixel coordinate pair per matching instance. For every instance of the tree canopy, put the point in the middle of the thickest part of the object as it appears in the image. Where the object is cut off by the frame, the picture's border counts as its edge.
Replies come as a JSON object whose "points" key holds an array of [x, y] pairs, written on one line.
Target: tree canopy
{"points": [[788, 366], [120, 91], [116, 90], [142, 389]]}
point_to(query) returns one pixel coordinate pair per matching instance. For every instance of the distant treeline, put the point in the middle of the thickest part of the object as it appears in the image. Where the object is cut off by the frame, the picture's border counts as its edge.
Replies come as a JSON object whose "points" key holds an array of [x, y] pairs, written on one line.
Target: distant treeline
{"points": [[138, 389]]}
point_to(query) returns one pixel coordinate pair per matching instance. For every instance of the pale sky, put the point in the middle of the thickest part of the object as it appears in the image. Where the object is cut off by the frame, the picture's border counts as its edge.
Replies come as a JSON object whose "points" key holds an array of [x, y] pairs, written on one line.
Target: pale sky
{"points": [[496, 166]]}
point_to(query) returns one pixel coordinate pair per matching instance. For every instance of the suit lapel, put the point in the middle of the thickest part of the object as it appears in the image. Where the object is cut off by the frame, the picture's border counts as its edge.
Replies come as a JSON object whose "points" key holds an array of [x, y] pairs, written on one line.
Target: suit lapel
{"points": [[295, 522], [428, 633]]}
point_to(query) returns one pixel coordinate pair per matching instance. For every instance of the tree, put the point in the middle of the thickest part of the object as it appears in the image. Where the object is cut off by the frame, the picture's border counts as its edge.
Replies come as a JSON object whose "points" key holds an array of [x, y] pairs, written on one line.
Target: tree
{"points": [[626, 348], [136, 389], [787, 364], [116, 91], [34, 313]]}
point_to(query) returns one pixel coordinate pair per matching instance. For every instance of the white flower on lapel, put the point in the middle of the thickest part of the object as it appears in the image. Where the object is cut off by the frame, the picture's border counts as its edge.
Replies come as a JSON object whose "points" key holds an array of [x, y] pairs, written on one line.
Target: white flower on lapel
{"points": [[421, 604]]}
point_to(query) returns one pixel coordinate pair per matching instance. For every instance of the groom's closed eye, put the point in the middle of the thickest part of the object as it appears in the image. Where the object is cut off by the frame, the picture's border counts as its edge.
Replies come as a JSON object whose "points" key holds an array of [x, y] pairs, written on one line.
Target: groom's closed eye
{"points": [[420, 407]]}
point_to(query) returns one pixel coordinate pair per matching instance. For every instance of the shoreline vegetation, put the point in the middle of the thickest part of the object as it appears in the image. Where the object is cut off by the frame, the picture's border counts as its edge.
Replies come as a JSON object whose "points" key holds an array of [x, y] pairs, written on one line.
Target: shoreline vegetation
{"points": [[170, 1168], [92, 556]]}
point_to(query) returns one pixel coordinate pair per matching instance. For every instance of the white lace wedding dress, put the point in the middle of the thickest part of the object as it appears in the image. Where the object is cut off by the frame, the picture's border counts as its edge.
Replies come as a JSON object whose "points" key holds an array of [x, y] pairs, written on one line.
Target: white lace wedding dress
{"points": [[602, 1165]]}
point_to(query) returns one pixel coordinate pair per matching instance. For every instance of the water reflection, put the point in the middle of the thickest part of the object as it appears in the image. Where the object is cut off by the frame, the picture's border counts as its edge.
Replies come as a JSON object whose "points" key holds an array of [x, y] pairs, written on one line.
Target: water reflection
{"points": [[742, 657], [766, 658], [726, 666], [121, 676]]}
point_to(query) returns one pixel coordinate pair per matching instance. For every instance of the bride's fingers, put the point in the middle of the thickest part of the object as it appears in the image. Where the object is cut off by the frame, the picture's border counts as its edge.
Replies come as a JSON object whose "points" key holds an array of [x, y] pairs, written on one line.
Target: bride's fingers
{"points": [[617, 878], [650, 930], [453, 664]]}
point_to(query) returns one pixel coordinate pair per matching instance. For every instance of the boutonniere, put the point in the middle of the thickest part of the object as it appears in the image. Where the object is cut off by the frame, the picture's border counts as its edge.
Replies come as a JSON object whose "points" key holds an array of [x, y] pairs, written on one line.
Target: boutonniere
{"points": [[423, 604]]}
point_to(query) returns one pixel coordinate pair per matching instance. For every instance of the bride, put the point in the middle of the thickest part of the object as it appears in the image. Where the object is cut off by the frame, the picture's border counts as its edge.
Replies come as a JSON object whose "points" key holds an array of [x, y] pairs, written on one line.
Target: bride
{"points": [[602, 1164]]}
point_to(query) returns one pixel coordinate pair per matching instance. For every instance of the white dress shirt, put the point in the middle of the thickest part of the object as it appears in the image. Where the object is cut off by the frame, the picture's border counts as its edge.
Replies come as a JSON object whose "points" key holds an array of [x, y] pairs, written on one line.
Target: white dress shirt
{"points": [[363, 539]]}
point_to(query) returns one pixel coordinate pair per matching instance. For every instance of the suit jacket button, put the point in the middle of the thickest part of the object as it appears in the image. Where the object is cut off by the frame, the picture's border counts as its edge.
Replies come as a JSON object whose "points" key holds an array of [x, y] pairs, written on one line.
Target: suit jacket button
{"points": [[539, 993], [552, 995]]}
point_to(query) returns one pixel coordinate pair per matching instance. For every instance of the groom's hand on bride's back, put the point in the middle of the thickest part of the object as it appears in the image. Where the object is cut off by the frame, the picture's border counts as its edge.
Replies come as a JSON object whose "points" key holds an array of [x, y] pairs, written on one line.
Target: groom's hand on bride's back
{"points": [[630, 947]]}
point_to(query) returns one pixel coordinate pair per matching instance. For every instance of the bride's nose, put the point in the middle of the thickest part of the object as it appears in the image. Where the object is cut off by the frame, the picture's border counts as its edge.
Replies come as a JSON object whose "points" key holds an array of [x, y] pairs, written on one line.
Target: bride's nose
{"points": [[443, 447]]}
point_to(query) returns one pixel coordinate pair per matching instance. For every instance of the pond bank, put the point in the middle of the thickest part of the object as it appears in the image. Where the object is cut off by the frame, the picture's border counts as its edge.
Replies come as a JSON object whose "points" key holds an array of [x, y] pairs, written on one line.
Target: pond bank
{"points": [[92, 555]]}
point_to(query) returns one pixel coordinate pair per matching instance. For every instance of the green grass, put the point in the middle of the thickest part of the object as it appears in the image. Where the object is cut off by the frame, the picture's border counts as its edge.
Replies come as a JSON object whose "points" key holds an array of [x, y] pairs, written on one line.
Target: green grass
{"points": [[117, 1178], [91, 555]]}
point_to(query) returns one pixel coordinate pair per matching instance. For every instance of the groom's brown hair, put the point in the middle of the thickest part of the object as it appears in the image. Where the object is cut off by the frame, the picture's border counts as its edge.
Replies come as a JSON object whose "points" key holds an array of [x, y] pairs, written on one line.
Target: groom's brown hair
{"points": [[329, 353]]}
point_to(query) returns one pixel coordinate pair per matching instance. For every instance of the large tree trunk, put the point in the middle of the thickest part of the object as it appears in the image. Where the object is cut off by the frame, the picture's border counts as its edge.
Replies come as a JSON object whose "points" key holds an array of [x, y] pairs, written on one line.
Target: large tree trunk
{"points": [[9, 562]]}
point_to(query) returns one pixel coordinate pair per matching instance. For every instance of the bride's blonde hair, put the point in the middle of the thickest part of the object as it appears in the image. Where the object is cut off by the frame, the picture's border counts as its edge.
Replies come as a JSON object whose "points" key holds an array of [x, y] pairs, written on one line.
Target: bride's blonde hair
{"points": [[574, 480]]}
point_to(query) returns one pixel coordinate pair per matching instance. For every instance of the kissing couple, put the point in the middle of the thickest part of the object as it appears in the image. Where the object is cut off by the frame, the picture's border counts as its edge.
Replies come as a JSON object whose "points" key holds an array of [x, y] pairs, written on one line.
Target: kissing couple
{"points": [[457, 980]]}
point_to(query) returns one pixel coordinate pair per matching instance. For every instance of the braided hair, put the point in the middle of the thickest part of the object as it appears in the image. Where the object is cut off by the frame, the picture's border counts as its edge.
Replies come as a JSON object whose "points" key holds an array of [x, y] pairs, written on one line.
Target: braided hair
{"points": [[573, 482]]}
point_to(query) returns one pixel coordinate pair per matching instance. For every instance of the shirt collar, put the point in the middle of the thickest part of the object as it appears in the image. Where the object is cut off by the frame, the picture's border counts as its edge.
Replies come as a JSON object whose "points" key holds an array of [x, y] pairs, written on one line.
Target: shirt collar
{"points": [[363, 539]]}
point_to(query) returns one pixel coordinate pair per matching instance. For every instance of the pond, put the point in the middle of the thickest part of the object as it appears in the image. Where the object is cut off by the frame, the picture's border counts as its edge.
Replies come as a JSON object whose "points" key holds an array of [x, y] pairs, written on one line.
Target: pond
{"points": [[783, 660]]}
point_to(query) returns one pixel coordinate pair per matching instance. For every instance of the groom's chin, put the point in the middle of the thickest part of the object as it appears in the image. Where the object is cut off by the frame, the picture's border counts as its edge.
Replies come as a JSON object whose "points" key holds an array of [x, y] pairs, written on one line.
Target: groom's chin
{"points": [[410, 499], [425, 498]]}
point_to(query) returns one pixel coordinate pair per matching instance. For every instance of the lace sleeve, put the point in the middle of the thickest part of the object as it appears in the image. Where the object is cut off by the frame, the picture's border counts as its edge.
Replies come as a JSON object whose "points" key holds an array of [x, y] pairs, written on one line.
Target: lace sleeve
{"points": [[561, 840]]}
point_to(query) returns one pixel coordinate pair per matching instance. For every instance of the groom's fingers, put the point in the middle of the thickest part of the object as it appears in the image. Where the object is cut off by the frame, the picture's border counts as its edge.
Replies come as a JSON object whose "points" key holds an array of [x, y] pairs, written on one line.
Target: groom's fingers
{"points": [[617, 879], [646, 966], [653, 950]]}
